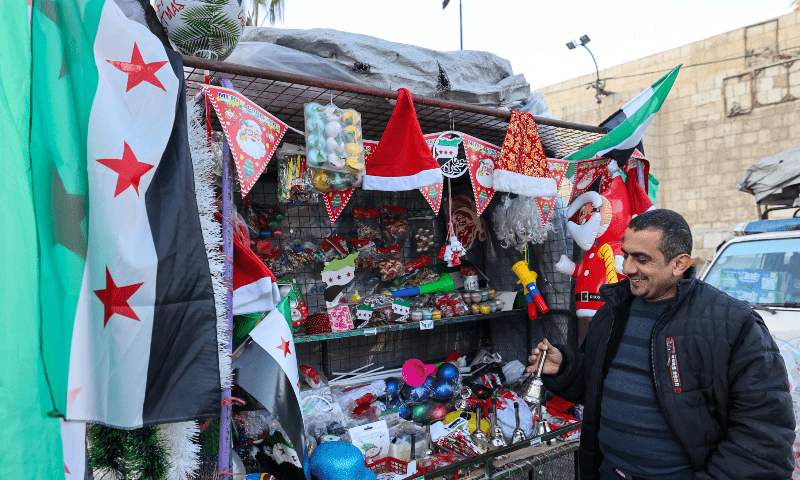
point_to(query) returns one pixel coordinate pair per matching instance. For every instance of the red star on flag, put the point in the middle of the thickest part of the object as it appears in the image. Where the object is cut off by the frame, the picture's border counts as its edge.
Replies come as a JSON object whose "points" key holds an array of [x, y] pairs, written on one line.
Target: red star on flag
{"points": [[284, 346], [138, 71], [129, 169], [115, 299]]}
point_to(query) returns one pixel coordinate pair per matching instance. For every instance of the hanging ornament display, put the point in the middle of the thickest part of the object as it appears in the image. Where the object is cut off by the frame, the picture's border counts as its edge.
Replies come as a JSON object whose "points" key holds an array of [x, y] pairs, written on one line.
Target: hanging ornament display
{"points": [[252, 133], [586, 172], [336, 201], [481, 158], [208, 29], [557, 170]]}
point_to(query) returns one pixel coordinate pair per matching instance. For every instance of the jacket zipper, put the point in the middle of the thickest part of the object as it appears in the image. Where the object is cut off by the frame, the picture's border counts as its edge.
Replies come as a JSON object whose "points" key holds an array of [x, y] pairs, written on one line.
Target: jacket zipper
{"points": [[653, 358]]}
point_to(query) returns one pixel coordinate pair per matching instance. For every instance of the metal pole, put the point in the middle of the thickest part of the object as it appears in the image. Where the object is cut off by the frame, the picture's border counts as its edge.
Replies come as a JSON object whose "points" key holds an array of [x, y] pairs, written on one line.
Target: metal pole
{"points": [[224, 463], [227, 250], [461, 24], [597, 71]]}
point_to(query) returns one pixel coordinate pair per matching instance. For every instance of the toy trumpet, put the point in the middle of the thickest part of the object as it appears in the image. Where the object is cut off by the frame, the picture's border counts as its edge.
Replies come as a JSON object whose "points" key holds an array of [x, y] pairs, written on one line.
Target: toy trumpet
{"points": [[444, 284], [532, 293]]}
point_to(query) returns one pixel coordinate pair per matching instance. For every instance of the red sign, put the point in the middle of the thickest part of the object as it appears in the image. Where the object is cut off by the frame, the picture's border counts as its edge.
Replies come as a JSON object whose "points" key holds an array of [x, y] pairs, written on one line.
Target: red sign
{"points": [[252, 133], [482, 157], [335, 202], [557, 170]]}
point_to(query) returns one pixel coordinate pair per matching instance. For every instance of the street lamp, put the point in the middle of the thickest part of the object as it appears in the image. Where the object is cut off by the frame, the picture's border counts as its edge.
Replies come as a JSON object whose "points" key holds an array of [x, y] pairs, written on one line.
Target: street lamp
{"points": [[460, 20], [598, 85]]}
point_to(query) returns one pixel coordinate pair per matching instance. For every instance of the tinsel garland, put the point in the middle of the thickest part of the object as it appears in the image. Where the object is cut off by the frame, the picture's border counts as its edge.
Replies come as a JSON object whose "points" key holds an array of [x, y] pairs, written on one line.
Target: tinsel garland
{"points": [[203, 162], [127, 454], [181, 442]]}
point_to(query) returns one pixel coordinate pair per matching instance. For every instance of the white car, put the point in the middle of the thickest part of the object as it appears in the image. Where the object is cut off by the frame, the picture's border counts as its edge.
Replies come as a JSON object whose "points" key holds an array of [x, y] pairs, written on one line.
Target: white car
{"points": [[764, 271]]}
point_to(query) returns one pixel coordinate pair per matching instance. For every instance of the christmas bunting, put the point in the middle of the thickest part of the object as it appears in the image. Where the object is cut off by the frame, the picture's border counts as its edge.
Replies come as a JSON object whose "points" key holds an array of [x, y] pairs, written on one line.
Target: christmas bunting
{"points": [[586, 172], [252, 133], [481, 157], [335, 202], [433, 194], [557, 170]]}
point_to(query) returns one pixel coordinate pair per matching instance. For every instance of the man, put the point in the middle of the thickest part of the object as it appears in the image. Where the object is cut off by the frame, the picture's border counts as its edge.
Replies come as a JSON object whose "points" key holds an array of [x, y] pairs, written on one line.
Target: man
{"points": [[678, 380]]}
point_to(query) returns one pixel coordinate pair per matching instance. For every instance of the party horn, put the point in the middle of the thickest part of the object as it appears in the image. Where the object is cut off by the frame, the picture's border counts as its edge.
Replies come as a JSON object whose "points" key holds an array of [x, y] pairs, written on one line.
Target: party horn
{"points": [[415, 372], [444, 284]]}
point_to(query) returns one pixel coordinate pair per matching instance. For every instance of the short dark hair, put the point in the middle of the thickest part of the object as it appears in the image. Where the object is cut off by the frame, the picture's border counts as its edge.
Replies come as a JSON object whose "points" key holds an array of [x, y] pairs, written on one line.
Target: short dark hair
{"points": [[676, 237]]}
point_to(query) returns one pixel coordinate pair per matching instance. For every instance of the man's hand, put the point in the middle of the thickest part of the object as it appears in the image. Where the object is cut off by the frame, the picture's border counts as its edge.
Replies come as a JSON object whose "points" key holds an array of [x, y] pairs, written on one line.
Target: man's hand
{"points": [[552, 361]]}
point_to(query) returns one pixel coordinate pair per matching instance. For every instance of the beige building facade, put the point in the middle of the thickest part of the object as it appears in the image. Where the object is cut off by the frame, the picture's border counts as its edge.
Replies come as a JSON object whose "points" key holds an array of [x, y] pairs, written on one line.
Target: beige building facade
{"points": [[735, 101]]}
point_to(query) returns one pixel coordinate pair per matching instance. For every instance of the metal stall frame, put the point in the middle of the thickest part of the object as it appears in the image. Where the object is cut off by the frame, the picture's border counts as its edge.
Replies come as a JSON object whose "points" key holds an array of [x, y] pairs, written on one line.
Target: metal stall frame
{"points": [[285, 94]]}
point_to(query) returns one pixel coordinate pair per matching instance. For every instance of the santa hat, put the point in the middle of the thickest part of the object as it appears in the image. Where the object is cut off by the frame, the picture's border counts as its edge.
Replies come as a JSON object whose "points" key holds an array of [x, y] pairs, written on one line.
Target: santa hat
{"points": [[254, 287], [402, 160], [522, 166]]}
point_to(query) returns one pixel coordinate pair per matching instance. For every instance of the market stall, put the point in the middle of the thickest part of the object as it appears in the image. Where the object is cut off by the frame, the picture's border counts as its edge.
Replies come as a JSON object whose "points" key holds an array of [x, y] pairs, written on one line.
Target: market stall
{"points": [[479, 315]]}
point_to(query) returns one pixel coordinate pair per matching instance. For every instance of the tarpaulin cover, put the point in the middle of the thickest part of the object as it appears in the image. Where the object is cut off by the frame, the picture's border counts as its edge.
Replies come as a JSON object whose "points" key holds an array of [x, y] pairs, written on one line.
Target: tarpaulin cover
{"points": [[461, 75], [774, 180]]}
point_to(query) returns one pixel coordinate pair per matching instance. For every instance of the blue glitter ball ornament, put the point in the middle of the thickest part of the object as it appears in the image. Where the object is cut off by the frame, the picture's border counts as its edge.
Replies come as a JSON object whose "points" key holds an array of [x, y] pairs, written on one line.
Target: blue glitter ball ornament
{"points": [[447, 372], [394, 403], [392, 387], [404, 412], [415, 394], [443, 391], [429, 381]]}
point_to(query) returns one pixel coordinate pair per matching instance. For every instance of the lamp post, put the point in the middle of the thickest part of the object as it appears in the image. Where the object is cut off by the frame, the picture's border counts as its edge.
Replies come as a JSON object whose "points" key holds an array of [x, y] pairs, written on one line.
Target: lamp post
{"points": [[598, 85], [460, 20]]}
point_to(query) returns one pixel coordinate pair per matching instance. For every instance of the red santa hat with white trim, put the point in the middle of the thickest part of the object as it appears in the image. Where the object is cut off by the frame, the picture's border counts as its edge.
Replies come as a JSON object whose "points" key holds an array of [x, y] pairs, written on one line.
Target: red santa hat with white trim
{"points": [[402, 160]]}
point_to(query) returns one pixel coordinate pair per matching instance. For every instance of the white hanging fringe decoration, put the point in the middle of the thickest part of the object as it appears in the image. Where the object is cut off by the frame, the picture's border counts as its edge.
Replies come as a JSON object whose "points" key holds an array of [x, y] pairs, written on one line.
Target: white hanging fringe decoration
{"points": [[182, 443], [203, 162], [518, 221]]}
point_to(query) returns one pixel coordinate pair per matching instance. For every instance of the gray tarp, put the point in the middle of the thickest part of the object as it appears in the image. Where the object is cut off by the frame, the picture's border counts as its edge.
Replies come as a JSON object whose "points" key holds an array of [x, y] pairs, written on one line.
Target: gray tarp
{"points": [[774, 180], [467, 76]]}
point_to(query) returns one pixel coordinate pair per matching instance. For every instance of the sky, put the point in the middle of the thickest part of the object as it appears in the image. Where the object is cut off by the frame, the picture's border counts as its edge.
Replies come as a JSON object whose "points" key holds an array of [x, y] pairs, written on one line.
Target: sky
{"points": [[531, 34]]}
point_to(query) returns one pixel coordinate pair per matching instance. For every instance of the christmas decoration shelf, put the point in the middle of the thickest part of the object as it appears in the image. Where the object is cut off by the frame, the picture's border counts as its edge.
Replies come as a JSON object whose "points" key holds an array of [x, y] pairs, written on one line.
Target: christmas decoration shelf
{"points": [[366, 332]]}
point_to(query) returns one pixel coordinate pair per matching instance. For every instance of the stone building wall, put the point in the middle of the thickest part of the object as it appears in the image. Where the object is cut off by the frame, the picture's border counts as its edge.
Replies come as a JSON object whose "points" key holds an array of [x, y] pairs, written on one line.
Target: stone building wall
{"points": [[733, 103]]}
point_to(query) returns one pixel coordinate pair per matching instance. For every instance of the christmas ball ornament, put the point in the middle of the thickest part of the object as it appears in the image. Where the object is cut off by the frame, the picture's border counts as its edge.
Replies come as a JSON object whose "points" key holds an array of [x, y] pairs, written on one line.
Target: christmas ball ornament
{"points": [[418, 413], [333, 129], [317, 141], [443, 391], [277, 233], [352, 133], [404, 412], [208, 29], [314, 125], [429, 381], [313, 108], [394, 403], [392, 387], [354, 165], [353, 149], [279, 216], [316, 159], [320, 181], [447, 372], [438, 412], [335, 160], [415, 395], [331, 112], [351, 117], [273, 224]]}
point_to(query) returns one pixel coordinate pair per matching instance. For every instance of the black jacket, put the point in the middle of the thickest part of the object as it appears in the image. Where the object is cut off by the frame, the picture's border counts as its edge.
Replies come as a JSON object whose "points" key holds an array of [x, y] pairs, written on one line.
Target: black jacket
{"points": [[718, 376]]}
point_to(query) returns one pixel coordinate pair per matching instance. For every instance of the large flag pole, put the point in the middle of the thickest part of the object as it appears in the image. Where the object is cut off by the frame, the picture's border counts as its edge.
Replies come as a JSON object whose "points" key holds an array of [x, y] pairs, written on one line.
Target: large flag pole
{"points": [[227, 251]]}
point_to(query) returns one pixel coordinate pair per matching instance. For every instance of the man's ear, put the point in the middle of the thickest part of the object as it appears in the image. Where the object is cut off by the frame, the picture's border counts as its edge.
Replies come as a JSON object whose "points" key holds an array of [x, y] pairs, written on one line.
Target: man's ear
{"points": [[682, 263]]}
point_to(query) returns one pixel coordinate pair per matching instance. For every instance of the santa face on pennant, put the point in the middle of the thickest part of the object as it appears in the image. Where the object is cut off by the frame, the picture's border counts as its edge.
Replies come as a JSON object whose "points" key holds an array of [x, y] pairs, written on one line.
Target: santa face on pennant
{"points": [[249, 139], [484, 173]]}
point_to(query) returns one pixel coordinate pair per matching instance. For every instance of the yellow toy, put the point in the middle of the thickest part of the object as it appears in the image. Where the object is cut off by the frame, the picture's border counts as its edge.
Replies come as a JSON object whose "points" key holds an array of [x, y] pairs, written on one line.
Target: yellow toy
{"points": [[528, 280]]}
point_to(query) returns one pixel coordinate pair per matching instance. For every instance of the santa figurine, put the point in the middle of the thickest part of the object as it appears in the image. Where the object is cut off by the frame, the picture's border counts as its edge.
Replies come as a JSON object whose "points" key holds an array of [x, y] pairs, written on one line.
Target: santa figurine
{"points": [[597, 223]]}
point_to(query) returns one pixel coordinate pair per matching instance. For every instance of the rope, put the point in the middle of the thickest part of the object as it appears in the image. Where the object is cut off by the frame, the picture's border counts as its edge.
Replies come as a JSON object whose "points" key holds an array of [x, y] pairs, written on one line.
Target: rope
{"points": [[231, 400]]}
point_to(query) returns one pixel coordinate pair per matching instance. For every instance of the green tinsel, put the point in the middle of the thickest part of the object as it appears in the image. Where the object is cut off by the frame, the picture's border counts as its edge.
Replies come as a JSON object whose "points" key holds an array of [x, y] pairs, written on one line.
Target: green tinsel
{"points": [[128, 454]]}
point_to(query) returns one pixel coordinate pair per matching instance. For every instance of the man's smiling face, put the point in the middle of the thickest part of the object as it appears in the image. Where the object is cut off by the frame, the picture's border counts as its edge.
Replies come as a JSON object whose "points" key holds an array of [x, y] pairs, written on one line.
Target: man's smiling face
{"points": [[651, 276]]}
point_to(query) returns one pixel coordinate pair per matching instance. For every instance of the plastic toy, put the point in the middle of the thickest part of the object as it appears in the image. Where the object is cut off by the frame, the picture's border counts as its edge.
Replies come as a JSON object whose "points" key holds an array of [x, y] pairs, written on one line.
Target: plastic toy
{"points": [[528, 280]]}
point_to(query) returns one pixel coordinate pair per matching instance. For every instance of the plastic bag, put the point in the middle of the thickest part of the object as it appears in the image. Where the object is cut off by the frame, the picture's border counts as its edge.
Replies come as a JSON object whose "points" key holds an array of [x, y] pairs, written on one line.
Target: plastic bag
{"points": [[366, 254], [325, 181], [294, 177], [422, 225], [367, 222], [389, 262], [393, 222], [333, 139]]}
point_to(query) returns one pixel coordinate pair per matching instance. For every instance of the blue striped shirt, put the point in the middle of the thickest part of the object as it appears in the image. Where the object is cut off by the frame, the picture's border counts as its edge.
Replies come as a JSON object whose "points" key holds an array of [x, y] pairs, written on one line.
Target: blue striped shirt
{"points": [[634, 436]]}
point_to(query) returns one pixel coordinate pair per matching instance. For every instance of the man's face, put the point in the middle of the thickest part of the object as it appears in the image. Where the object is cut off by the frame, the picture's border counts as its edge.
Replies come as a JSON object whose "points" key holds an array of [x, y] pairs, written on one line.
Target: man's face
{"points": [[650, 275]]}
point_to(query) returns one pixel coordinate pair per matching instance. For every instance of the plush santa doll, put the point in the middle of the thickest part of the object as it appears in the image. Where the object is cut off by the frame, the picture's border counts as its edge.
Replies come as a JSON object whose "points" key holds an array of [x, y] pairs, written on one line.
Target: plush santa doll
{"points": [[597, 223]]}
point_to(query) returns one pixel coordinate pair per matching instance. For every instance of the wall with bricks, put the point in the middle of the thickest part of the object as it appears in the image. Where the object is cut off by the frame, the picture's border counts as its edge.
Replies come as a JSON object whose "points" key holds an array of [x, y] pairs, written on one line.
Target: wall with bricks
{"points": [[733, 103]]}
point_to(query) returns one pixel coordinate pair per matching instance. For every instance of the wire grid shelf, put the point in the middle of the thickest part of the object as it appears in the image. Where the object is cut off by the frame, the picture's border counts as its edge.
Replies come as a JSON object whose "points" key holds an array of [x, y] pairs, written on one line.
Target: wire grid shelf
{"points": [[284, 95]]}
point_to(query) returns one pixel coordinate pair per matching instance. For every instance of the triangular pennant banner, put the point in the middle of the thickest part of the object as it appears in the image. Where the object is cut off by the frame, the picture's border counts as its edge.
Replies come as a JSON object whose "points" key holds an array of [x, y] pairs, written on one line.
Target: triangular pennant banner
{"points": [[252, 133], [481, 157], [433, 194], [586, 172], [335, 202], [557, 170]]}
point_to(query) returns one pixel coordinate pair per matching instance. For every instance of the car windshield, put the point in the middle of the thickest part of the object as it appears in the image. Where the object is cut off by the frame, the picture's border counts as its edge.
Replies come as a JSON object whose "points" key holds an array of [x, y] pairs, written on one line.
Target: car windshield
{"points": [[763, 272]]}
